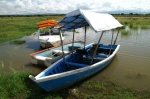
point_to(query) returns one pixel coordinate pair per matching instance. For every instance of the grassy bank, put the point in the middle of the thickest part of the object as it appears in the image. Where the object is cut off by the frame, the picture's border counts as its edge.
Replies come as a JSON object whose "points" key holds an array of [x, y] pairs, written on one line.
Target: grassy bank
{"points": [[19, 86], [16, 27], [135, 22]]}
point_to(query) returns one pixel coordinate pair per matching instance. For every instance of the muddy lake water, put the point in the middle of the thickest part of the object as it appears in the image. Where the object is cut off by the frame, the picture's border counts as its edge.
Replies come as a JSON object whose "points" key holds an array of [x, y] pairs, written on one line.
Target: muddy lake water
{"points": [[130, 67]]}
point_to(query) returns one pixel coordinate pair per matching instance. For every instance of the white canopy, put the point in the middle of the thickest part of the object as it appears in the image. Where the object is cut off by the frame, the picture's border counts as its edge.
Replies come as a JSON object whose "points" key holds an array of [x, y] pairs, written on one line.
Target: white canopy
{"points": [[81, 18]]}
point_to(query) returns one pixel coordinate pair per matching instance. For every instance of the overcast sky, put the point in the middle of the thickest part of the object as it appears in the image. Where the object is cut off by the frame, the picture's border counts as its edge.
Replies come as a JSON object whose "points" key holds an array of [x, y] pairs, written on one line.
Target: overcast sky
{"points": [[8, 7]]}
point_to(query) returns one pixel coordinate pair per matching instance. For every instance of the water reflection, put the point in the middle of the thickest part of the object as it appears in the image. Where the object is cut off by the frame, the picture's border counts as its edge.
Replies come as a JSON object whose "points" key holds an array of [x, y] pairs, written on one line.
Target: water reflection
{"points": [[129, 67]]}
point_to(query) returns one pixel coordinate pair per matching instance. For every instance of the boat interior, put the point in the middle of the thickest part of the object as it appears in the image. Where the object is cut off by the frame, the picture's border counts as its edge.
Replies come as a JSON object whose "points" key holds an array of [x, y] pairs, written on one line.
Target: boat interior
{"points": [[58, 51], [82, 58], [52, 31]]}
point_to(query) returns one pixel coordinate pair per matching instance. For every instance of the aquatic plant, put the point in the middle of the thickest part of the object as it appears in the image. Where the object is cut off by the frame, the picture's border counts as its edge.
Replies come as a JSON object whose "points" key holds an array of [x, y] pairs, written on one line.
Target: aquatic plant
{"points": [[133, 26], [125, 32], [18, 42], [144, 27]]}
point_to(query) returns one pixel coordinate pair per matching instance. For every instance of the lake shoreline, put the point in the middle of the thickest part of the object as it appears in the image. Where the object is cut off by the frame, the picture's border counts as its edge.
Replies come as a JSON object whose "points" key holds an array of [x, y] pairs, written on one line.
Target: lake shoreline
{"points": [[18, 85], [17, 81]]}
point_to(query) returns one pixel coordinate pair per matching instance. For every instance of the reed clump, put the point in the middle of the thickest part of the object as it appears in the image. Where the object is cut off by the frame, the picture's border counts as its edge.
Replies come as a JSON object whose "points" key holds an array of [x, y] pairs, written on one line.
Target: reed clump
{"points": [[125, 32]]}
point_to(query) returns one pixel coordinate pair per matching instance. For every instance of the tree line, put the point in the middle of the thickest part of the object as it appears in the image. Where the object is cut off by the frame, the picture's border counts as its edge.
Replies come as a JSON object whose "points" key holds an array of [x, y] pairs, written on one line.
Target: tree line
{"points": [[32, 15], [39, 15]]}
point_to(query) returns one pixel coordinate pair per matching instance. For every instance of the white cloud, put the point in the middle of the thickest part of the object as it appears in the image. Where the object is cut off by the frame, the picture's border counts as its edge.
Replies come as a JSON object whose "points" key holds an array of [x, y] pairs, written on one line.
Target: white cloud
{"points": [[64, 6]]}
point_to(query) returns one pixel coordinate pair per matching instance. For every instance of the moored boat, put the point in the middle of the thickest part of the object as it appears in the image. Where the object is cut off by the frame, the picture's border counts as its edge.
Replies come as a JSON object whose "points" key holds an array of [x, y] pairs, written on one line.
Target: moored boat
{"points": [[48, 56], [48, 35], [84, 61]]}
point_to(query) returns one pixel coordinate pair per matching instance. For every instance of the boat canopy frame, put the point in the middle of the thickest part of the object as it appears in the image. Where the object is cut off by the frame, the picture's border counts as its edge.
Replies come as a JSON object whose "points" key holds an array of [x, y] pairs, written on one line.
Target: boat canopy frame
{"points": [[82, 18]]}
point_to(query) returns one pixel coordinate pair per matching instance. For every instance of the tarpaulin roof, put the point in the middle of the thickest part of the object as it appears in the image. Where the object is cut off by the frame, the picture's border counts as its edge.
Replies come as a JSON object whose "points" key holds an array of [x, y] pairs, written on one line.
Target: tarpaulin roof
{"points": [[81, 18]]}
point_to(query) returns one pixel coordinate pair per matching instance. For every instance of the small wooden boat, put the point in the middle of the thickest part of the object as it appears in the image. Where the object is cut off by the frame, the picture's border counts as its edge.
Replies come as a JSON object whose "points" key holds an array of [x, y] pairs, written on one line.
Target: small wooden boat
{"points": [[85, 61], [48, 56], [48, 37]]}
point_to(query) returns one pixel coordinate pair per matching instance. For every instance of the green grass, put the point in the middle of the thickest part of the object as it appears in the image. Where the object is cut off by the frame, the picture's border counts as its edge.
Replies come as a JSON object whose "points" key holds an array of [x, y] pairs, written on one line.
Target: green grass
{"points": [[109, 89], [17, 27], [135, 22], [19, 86]]}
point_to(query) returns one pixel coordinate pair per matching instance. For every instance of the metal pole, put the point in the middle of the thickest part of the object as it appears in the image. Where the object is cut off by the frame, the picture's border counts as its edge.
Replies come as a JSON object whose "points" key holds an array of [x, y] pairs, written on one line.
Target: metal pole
{"points": [[49, 31], [85, 37], [96, 48], [62, 46], [73, 41], [111, 42], [116, 37]]}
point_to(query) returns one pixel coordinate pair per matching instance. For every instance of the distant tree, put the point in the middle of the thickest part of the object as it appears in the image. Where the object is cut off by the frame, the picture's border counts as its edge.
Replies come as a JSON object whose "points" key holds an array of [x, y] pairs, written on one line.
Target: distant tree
{"points": [[131, 13], [122, 13]]}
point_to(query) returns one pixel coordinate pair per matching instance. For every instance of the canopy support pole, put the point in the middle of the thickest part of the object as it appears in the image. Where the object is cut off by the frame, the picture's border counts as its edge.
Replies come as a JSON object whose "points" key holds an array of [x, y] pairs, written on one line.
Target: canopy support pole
{"points": [[38, 33], [97, 47], [62, 47], [111, 42], [85, 37], [116, 37], [49, 31], [73, 41]]}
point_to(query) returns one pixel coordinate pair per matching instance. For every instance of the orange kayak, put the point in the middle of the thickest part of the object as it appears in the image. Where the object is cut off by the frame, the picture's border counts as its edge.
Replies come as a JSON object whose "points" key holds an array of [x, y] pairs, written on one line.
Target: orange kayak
{"points": [[47, 23]]}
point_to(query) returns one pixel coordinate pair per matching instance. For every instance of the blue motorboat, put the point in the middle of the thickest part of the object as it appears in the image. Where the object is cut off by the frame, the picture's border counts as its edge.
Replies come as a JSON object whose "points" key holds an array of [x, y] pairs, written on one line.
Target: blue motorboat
{"points": [[83, 62]]}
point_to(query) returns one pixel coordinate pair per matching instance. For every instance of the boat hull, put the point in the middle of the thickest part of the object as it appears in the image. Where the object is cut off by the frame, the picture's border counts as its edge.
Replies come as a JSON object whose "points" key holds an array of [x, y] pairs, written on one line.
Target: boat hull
{"points": [[65, 79], [44, 43], [63, 82]]}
